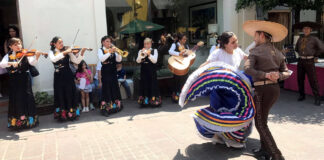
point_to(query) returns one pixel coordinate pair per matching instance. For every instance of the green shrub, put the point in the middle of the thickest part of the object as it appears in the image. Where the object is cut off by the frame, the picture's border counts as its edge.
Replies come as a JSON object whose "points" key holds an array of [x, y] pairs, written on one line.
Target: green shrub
{"points": [[43, 98]]}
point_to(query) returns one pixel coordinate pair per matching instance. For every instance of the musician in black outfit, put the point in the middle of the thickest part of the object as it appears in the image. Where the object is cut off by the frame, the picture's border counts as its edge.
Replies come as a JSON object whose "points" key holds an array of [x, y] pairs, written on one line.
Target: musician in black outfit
{"points": [[149, 88], [178, 49], [111, 98], [65, 100], [22, 110]]}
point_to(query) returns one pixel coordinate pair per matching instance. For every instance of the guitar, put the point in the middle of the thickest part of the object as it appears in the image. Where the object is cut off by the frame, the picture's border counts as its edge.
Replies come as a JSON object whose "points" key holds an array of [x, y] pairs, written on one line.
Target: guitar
{"points": [[179, 65]]}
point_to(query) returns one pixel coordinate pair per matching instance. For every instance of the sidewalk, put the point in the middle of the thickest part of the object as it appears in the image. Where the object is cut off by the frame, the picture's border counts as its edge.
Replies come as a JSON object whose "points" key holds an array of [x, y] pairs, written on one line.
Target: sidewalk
{"points": [[161, 133]]}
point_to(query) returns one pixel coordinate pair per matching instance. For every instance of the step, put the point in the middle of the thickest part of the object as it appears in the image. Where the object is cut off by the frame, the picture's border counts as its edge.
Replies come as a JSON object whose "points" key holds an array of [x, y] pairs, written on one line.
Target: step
{"points": [[4, 102]]}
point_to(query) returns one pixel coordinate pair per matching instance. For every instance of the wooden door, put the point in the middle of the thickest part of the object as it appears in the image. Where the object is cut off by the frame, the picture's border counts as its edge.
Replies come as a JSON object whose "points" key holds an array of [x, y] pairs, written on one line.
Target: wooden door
{"points": [[284, 19]]}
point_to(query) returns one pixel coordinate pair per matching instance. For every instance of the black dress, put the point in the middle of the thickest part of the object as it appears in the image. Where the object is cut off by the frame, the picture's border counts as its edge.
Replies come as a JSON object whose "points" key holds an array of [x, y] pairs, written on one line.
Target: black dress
{"points": [[111, 98], [149, 88], [178, 81], [163, 49], [65, 100], [22, 109]]}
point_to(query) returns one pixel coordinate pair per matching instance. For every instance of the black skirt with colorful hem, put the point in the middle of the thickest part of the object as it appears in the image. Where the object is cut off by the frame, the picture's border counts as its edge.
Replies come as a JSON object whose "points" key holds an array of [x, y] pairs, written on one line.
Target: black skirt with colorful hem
{"points": [[64, 115], [22, 122], [22, 108], [149, 102], [65, 100], [109, 108]]}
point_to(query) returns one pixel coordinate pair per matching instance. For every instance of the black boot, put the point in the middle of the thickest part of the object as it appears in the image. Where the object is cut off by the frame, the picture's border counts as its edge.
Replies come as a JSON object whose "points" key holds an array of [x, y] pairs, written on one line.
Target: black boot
{"points": [[261, 154], [301, 98], [280, 157], [317, 102]]}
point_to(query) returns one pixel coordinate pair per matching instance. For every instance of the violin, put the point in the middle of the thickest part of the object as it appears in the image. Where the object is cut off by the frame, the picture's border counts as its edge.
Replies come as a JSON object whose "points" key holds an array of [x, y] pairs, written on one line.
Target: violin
{"points": [[77, 49], [27, 53]]}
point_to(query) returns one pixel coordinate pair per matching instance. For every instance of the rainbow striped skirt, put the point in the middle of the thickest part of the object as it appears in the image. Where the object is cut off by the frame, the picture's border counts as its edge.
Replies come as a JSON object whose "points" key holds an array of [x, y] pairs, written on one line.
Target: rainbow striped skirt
{"points": [[231, 109]]}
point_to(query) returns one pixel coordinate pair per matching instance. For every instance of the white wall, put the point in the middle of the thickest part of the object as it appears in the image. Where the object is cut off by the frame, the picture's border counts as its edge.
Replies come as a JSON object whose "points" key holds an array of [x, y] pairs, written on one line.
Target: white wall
{"points": [[48, 18], [308, 15], [230, 16], [233, 21], [244, 15]]}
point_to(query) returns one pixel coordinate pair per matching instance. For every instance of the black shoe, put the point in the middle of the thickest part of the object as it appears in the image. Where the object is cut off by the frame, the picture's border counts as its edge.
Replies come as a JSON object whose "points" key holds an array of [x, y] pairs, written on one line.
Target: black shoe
{"points": [[278, 157], [317, 102], [301, 98], [322, 98], [261, 154]]}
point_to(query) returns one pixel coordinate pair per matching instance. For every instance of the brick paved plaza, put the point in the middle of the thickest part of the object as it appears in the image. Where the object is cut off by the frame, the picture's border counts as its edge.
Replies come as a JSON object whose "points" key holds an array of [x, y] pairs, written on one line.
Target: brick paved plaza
{"points": [[162, 133]]}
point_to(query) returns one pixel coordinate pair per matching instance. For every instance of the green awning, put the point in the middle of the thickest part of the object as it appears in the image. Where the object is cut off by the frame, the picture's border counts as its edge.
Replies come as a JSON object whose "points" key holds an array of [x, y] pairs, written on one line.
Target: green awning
{"points": [[137, 26]]}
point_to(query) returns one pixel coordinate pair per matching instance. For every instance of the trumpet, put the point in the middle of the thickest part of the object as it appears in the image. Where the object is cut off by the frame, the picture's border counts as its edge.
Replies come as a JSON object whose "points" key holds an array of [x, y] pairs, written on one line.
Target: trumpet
{"points": [[145, 52], [120, 52]]}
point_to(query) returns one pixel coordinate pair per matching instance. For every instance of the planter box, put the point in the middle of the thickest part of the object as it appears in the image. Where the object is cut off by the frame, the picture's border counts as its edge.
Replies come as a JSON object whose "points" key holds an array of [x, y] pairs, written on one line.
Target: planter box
{"points": [[44, 109]]}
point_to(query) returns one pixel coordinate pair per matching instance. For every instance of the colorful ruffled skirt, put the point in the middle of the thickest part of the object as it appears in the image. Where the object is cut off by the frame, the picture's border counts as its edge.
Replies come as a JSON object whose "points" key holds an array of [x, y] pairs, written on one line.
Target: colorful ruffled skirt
{"points": [[229, 117]]}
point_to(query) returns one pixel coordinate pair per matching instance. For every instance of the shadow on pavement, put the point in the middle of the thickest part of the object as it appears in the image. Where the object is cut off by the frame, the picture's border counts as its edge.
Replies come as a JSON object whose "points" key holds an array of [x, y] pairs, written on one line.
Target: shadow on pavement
{"points": [[288, 109], [131, 110], [209, 151]]}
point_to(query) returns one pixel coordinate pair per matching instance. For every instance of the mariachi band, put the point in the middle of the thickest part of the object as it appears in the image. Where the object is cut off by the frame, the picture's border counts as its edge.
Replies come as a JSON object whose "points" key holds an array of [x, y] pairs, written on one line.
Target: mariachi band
{"points": [[208, 80]]}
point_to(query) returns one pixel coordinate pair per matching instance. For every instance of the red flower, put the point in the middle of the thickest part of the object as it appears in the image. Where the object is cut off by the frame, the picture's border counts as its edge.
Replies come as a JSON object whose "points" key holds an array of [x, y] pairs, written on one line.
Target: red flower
{"points": [[63, 114], [18, 123]]}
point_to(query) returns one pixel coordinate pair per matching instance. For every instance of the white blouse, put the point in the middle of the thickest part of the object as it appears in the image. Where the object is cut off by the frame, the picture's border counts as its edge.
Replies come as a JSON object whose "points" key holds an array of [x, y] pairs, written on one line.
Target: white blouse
{"points": [[102, 56], [4, 63], [213, 48], [152, 58], [54, 58], [251, 46], [173, 48], [231, 59]]}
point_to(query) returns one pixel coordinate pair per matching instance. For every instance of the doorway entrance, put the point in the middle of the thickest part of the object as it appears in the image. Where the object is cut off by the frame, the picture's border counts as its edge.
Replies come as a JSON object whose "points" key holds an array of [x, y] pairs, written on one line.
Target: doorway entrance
{"points": [[283, 18], [8, 17]]}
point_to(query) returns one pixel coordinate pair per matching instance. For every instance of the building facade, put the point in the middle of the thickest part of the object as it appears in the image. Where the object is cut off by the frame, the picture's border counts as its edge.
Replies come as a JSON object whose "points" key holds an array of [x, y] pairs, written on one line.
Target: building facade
{"points": [[48, 18]]}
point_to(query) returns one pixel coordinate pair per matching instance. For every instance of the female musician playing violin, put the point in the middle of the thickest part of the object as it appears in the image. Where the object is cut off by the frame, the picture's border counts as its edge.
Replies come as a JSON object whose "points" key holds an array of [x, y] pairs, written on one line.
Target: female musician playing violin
{"points": [[110, 98], [65, 101], [22, 111], [149, 88]]}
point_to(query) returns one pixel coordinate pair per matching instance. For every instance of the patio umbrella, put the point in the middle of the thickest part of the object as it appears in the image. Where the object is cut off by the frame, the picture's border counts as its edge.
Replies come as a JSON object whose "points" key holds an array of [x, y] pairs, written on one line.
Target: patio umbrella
{"points": [[137, 26]]}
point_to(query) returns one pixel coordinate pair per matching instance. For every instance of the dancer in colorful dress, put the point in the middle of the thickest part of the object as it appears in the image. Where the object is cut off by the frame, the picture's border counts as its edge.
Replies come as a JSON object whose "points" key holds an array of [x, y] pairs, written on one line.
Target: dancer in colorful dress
{"points": [[228, 119]]}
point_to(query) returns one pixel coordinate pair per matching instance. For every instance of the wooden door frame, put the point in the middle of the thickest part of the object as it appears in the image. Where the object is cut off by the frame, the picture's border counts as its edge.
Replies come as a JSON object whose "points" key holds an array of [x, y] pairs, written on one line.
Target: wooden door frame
{"points": [[18, 19], [290, 33]]}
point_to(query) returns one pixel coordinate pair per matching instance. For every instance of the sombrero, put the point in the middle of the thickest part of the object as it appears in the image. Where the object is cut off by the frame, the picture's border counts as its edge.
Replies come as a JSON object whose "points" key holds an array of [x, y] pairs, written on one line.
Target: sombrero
{"points": [[231, 102], [301, 25], [277, 31]]}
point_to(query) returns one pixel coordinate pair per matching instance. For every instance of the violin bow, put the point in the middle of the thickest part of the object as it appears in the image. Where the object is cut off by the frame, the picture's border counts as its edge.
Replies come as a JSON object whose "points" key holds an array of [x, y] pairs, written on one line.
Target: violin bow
{"points": [[76, 35], [31, 44]]}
